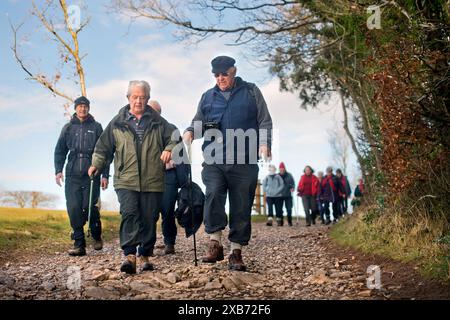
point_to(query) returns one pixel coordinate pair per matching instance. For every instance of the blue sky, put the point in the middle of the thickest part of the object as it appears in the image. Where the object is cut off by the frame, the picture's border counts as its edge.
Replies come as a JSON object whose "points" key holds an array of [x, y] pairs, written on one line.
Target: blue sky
{"points": [[31, 119]]}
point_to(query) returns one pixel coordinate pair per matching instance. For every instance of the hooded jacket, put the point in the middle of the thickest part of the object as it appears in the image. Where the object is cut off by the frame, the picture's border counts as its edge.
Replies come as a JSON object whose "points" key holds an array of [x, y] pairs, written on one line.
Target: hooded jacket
{"points": [[273, 185]]}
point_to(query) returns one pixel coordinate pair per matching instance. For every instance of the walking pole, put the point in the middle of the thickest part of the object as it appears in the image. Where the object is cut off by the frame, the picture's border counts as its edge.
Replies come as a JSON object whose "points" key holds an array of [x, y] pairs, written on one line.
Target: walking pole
{"points": [[90, 205], [297, 213], [191, 204]]}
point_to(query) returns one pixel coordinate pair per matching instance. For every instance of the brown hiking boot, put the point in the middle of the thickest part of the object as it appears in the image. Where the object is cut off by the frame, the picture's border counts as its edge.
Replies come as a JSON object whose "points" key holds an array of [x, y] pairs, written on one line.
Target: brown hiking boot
{"points": [[169, 249], [77, 252], [215, 252], [146, 265], [129, 265], [235, 261], [98, 244]]}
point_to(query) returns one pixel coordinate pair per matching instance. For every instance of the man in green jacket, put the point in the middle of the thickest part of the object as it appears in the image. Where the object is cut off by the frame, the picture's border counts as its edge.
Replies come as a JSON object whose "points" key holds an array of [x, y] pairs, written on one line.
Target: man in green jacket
{"points": [[139, 140]]}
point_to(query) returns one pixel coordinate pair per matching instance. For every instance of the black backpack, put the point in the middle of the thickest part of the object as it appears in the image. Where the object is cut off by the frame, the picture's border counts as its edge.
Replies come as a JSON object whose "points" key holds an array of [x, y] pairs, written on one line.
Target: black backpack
{"points": [[190, 218]]}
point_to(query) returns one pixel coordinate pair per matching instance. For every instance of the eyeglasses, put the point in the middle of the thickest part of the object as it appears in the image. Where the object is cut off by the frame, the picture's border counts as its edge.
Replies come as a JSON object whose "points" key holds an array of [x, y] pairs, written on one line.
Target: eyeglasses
{"points": [[223, 74], [137, 98]]}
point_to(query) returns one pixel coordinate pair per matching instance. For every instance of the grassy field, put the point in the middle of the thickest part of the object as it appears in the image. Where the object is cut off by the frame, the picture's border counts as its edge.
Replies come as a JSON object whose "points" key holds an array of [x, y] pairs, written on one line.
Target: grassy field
{"points": [[403, 237], [49, 230]]}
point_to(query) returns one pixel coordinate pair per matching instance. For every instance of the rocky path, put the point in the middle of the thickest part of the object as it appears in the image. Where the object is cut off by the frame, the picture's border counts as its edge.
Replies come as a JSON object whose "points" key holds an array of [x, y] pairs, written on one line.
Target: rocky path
{"points": [[283, 263]]}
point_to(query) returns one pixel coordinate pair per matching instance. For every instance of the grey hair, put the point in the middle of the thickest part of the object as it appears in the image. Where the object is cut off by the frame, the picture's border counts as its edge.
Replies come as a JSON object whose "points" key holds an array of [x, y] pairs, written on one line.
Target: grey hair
{"points": [[155, 105], [329, 169], [139, 83], [320, 173]]}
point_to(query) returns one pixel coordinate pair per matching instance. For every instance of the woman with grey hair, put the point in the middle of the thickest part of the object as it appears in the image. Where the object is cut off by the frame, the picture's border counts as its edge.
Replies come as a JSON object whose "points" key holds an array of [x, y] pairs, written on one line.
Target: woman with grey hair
{"points": [[273, 187]]}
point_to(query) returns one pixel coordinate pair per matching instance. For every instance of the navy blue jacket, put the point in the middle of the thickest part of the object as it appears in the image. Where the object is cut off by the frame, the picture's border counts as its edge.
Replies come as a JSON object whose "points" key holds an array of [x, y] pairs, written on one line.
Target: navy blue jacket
{"points": [[78, 139], [245, 109]]}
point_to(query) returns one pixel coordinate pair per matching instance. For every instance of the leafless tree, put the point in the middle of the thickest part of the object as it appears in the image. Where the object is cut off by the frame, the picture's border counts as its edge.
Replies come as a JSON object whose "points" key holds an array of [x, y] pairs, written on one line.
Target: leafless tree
{"points": [[41, 199], [59, 21], [22, 199], [339, 144], [15, 198]]}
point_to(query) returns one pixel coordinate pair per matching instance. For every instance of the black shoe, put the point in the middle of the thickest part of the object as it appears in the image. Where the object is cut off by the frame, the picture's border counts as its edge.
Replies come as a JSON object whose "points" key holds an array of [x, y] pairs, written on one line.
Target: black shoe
{"points": [[169, 249], [290, 223], [129, 265], [77, 252], [328, 222], [146, 265], [280, 222], [269, 223], [308, 224]]}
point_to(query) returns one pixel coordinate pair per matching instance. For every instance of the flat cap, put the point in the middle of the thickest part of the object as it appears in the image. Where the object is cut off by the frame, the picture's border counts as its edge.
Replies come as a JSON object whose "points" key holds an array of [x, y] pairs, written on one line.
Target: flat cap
{"points": [[222, 64]]}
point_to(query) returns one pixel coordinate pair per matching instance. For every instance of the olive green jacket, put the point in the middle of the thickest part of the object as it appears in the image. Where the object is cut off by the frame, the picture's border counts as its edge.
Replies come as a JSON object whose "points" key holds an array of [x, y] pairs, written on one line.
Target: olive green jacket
{"points": [[137, 167]]}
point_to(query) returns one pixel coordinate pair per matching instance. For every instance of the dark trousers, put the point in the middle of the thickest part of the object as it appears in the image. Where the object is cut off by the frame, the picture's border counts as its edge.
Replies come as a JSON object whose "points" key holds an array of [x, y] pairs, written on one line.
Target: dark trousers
{"points": [[139, 211], [336, 209], [239, 182], [169, 198], [287, 202], [321, 206], [276, 202], [310, 207], [77, 200], [343, 205]]}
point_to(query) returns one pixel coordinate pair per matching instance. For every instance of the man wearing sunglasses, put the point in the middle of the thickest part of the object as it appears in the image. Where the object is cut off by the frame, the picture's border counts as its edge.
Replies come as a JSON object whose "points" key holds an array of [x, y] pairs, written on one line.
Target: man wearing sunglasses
{"points": [[236, 106]]}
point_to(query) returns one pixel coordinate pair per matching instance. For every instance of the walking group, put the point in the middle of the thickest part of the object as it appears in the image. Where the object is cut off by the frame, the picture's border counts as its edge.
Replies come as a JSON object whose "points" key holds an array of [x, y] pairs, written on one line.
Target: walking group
{"points": [[318, 194], [148, 172]]}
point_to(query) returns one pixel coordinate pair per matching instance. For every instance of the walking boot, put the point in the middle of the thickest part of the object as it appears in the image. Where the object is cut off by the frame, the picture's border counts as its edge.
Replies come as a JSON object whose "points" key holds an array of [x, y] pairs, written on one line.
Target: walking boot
{"points": [[235, 261], [146, 265], [169, 249], [129, 264], [290, 221], [77, 252], [269, 222], [98, 244], [279, 222], [215, 252]]}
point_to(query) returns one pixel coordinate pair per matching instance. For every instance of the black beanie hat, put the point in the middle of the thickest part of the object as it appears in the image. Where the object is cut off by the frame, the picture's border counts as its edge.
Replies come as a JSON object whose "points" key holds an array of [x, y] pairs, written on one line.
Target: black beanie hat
{"points": [[81, 100]]}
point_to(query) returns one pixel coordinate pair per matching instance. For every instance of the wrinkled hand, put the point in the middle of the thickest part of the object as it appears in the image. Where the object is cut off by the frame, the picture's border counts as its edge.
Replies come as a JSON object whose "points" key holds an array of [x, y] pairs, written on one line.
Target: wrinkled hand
{"points": [[265, 153], [188, 136], [92, 171], [104, 183], [166, 156], [59, 178]]}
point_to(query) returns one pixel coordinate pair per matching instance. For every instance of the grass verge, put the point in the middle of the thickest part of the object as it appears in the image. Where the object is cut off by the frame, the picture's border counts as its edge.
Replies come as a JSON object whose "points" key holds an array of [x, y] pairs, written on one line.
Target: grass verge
{"points": [[402, 236], [48, 230]]}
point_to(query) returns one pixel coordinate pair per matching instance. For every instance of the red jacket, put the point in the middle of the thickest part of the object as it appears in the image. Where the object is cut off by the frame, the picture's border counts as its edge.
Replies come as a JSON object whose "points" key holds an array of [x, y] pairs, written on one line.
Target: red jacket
{"points": [[308, 185]]}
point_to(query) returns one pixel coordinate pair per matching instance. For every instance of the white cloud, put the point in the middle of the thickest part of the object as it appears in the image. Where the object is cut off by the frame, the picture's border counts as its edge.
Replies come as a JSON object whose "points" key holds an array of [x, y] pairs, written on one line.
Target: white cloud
{"points": [[178, 76]]}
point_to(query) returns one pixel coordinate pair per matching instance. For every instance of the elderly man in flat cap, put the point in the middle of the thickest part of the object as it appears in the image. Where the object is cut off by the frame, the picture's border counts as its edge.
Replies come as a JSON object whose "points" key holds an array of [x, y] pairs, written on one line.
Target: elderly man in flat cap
{"points": [[237, 107], [78, 139]]}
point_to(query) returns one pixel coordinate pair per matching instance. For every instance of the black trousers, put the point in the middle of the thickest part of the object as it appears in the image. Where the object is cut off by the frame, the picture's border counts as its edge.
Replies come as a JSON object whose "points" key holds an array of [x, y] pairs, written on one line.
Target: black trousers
{"points": [[276, 202], [343, 205], [169, 199], [77, 201], [139, 211], [336, 209], [287, 202], [238, 181]]}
